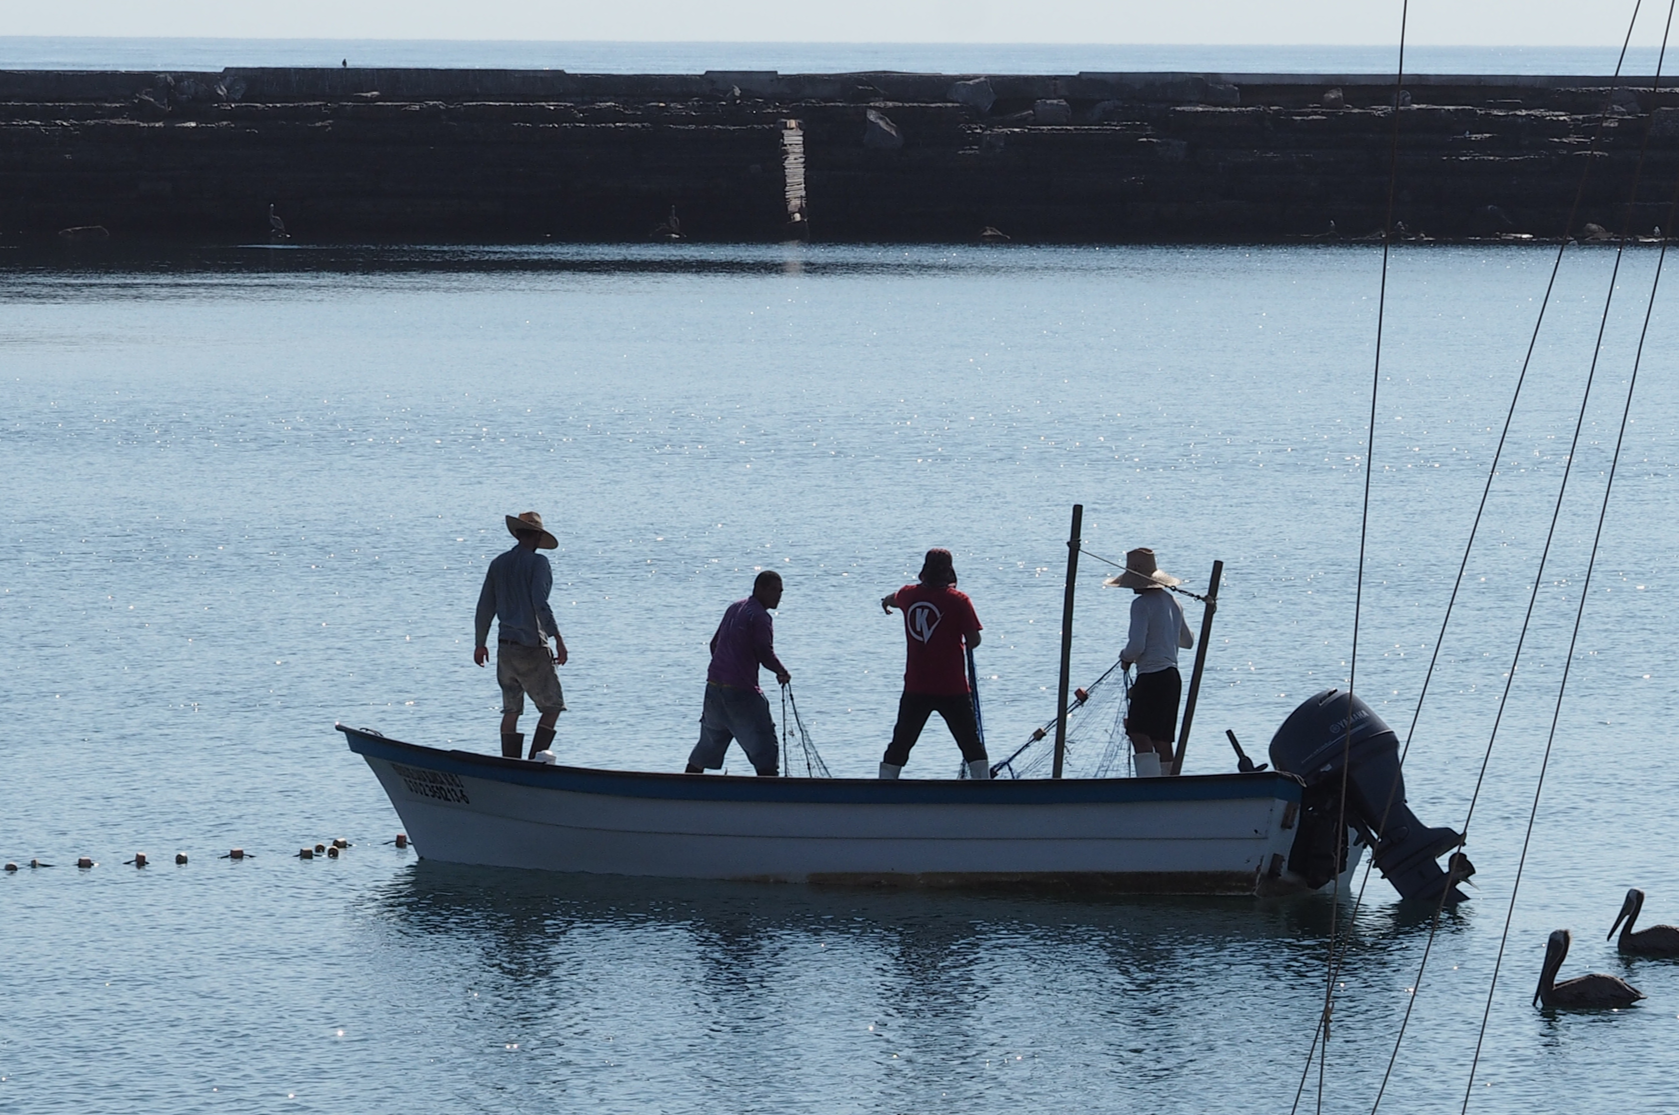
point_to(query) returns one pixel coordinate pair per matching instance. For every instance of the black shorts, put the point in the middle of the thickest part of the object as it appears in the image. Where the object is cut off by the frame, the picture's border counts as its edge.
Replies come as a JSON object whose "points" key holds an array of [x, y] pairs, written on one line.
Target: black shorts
{"points": [[1154, 705]]}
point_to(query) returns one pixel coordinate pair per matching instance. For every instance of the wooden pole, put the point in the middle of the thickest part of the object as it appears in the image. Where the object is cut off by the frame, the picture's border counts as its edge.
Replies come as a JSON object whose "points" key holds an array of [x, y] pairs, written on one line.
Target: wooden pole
{"points": [[1067, 639], [1200, 664]]}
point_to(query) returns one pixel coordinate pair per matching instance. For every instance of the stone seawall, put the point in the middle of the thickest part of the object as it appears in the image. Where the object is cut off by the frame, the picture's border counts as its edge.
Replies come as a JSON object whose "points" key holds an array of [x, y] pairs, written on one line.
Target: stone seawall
{"points": [[360, 155]]}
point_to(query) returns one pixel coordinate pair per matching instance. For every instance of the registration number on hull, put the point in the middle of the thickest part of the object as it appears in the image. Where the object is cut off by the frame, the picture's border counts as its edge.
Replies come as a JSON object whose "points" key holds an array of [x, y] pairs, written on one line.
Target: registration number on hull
{"points": [[435, 784]]}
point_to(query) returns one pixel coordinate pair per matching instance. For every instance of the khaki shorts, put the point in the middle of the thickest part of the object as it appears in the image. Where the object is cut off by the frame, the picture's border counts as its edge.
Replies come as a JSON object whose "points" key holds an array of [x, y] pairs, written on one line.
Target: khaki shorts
{"points": [[520, 670]]}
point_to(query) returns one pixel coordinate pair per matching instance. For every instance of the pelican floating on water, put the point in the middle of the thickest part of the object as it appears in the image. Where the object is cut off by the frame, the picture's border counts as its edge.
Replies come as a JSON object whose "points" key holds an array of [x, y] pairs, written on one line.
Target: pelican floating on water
{"points": [[1596, 991], [1658, 940]]}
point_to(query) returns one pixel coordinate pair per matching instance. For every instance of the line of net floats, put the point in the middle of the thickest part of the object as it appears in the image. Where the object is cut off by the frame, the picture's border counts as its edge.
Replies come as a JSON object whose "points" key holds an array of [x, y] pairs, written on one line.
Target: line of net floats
{"points": [[330, 850]]}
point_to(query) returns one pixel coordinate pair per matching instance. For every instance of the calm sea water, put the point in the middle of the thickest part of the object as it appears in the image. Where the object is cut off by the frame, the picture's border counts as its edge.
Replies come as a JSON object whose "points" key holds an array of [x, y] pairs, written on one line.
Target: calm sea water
{"points": [[249, 493], [95, 53]]}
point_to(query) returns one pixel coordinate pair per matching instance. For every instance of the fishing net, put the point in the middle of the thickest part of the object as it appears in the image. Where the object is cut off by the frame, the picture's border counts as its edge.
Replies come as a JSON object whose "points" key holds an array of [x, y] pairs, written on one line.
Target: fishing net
{"points": [[1097, 746], [793, 731]]}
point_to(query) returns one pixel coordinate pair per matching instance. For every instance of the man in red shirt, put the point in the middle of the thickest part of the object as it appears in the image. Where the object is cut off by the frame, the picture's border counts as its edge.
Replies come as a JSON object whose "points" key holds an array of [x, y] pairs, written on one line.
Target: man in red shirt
{"points": [[939, 626]]}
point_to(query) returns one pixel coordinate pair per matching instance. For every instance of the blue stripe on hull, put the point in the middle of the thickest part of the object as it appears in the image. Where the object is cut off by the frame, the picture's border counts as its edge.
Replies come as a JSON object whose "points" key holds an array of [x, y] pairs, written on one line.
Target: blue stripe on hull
{"points": [[869, 791]]}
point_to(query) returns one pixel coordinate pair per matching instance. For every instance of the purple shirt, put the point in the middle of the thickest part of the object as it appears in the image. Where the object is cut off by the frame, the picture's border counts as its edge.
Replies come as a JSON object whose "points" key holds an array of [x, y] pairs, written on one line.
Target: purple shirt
{"points": [[744, 641]]}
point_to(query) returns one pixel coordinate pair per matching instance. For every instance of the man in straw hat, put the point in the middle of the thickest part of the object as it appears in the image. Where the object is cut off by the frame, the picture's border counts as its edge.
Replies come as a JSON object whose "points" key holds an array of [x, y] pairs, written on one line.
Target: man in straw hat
{"points": [[515, 594], [1157, 632], [735, 709], [939, 625]]}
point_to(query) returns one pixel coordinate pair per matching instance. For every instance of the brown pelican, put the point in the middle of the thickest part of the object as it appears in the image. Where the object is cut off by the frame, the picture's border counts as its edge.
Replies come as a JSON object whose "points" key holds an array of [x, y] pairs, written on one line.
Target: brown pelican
{"points": [[1596, 991], [1658, 940], [276, 225]]}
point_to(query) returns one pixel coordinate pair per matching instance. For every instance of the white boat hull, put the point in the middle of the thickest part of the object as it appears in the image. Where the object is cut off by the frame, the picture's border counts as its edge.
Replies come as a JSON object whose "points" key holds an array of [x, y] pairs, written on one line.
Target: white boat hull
{"points": [[1213, 834]]}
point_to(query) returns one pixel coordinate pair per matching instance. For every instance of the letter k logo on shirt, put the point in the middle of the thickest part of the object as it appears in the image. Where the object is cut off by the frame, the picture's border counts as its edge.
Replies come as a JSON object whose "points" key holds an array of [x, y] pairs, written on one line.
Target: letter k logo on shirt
{"points": [[923, 620]]}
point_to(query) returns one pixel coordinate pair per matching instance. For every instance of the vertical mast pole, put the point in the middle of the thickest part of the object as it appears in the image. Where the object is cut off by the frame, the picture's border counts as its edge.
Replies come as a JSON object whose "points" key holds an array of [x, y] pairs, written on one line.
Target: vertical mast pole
{"points": [[1200, 664], [1073, 542]]}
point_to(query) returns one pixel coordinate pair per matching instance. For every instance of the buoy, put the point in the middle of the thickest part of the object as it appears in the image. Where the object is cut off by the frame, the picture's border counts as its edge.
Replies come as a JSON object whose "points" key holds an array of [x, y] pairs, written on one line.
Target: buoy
{"points": [[320, 849], [38, 863], [11, 867], [402, 840], [1038, 733], [306, 853], [236, 853], [340, 843], [85, 862], [332, 852], [139, 859], [1083, 695], [180, 857]]}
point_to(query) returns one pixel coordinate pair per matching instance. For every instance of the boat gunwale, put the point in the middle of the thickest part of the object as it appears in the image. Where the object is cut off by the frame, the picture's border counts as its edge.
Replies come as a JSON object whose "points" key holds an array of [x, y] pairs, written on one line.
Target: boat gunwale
{"points": [[826, 791]]}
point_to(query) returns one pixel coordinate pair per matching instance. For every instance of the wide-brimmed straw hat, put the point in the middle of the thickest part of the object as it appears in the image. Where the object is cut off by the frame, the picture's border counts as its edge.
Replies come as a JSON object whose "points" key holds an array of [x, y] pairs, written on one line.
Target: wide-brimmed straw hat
{"points": [[939, 568], [1141, 572], [530, 520]]}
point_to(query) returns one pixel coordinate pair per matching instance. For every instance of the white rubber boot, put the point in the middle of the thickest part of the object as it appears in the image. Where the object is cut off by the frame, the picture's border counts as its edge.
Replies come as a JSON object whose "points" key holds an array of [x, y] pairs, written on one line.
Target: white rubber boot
{"points": [[889, 773], [980, 770], [1148, 764]]}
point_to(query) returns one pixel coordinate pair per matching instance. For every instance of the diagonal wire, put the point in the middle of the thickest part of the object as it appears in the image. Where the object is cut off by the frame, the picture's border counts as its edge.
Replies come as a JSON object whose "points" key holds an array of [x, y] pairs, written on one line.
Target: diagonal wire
{"points": [[1492, 472], [1331, 962], [1510, 677], [1585, 588], [1121, 565]]}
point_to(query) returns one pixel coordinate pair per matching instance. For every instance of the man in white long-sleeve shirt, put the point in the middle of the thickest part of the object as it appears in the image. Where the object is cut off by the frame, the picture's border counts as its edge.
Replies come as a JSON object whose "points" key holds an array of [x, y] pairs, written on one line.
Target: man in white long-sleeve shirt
{"points": [[1158, 632]]}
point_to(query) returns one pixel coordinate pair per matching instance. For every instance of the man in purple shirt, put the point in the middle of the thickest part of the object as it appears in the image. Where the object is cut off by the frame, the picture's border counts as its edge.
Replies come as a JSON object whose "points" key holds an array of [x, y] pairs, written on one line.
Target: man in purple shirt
{"points": [[735, 708]]}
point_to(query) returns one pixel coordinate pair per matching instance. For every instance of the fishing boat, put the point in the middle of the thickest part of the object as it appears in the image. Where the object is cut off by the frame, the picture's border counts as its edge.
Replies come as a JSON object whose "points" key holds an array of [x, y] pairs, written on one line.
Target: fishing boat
{"points": [[1301, 827], [1335, 790], [1201, 834]]}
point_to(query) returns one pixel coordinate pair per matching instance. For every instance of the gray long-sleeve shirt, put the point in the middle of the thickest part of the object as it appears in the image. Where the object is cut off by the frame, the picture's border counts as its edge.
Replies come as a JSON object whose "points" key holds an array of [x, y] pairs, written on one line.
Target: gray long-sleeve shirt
{"points": [[1157, 631], [515, 591]]}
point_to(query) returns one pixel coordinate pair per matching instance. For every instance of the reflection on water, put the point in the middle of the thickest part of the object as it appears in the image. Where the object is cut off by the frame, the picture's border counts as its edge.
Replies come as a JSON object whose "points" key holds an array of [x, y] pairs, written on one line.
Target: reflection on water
{"points": [[518, 919], [158, 268], [1136, 989]]}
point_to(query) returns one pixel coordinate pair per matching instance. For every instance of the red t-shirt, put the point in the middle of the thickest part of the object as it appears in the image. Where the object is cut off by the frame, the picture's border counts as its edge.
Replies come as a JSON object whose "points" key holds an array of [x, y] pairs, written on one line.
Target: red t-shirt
{"points": [[935, 620]]}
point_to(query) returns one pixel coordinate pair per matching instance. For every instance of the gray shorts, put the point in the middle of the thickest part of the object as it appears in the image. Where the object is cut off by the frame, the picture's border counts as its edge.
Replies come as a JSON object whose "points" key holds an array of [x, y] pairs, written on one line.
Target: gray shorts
{"points": [[520, 670], [740, 715]]}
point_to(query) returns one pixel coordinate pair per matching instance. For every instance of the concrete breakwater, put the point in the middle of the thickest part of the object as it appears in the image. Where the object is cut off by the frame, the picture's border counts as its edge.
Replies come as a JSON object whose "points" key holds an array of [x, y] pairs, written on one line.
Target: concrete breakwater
{"points": [[367, 156]]}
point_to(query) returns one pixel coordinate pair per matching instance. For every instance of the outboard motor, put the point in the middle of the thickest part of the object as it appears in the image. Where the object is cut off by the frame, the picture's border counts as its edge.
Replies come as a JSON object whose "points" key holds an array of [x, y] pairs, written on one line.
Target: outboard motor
{"points": [[1312, 743]]}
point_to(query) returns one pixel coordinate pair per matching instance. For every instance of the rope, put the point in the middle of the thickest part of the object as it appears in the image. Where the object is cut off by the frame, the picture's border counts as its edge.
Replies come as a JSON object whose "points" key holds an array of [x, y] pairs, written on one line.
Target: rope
{"points": [[814, 766], [1331, 965], [1122, 565], [1597, 538], [1527, 619], [1492, 471]]}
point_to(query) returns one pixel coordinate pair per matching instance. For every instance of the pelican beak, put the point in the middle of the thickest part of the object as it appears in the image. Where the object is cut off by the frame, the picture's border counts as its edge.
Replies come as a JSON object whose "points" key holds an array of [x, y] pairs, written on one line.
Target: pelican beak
{"points": [[1626, 909]]}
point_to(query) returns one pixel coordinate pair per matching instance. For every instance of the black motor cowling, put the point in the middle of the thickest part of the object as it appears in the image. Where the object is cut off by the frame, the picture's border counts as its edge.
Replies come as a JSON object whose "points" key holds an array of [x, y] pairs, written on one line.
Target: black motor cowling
{"points": [[1313, 743]]}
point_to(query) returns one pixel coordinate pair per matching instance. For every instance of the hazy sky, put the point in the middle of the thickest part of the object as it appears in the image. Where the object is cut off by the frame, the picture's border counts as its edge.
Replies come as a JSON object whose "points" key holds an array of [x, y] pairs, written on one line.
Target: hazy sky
{"points": [[1434, 22]]}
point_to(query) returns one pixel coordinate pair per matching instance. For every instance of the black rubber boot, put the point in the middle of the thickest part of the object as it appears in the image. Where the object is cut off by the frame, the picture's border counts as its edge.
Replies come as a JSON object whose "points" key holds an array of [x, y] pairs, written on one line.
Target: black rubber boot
{"points": [[512, 744], [541, 740]]}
